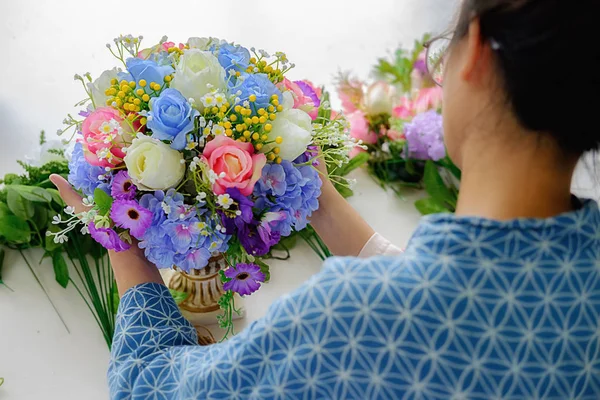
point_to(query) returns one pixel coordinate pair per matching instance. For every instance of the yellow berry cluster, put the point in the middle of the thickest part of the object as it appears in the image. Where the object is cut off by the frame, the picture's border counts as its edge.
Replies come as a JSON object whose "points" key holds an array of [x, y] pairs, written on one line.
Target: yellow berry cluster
{"points": [[275, 74], [125, 97], [245, 125]]}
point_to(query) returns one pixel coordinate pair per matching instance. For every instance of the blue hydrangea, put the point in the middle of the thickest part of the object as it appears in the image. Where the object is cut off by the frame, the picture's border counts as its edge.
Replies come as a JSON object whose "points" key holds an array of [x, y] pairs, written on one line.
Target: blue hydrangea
{"points": [[83, 176], [289, 189], [259, 85], [179, 235]]}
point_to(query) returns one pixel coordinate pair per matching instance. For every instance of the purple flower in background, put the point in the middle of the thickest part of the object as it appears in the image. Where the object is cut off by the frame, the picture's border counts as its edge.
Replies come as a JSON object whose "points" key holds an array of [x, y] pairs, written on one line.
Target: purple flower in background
{"points": [[122, 187], [425, 137], [243, 213], [85, 177], [266, 228], [108, 238], [128, 214], [245, 279]]}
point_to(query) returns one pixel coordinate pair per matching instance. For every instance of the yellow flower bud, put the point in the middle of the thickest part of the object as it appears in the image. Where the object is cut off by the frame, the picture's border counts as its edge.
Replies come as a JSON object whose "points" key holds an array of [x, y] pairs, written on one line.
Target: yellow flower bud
{"points": [[278, 140], [274, 97], [268, 69], [146, 98], [272, 117], [112, 91], [227, 125], [242, 139], [258, 146], [107, 92], [131, 117], [276, 150], [228, 132], [223, 109], [247, 134], [109, 102], [142, 82], [237, 108], [114, 81], [137, 102], [252, 60], [221, 115], [280, 108], [119, 102], [252, 98], [123, 82], [275, 102], [261, 111], [264, 138], [152, 85], [168, 78], [130, 99], [121, 94], [268, 127], [233, 117], [255, 136], [255, 120], [132, 84], [271, 157], [139, 92], [239, 128], [137, 109], [214, 110], [262, 119], [143, 121], [271, 108], [278, 160], [248, 121]]}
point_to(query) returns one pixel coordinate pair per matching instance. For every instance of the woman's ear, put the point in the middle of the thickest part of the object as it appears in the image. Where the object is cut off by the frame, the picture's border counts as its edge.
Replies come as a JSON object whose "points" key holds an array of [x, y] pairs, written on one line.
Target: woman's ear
{"points": [[477, 55]]}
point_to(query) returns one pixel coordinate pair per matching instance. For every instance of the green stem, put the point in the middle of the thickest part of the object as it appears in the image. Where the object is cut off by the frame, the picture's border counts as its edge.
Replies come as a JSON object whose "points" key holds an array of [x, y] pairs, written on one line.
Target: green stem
{"points": [[44, 290]]}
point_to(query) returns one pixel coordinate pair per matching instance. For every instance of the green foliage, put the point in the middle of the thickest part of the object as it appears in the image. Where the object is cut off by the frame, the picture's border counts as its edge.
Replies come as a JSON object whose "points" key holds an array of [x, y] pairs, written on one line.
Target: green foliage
{"points": [[103, 201], [179, 297], [61, 271], [398, 70]]}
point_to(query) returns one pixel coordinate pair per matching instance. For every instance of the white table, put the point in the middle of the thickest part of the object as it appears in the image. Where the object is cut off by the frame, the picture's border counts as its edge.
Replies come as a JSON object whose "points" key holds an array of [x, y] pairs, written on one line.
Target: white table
{"points": [[40, 360]]}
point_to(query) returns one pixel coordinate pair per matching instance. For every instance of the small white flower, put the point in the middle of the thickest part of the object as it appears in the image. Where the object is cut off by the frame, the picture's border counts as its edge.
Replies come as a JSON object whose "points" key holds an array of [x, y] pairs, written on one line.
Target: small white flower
{"points": [[201, 196], [222, 175], [193, 166], [208, 100], [212, 176], [201, 225], [85, 230], [223, 230], [89, 201], [385, 147], [56, 220], [181, 216], [69, 210], [218, 130], [166, 208], [202, 122], [238, 213], [213, 246], [218, 227], [246, 104], [225, 201], [220, 99], [182, 161], [255, 70], [191, 100], [231, 72]]}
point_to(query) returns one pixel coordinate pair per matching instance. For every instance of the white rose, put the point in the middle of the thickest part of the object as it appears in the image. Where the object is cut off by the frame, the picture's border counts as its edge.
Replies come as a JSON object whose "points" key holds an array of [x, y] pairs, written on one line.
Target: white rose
{"points": [[197, 74], [379, 99], [99, 86], [295, 128], [200, 43], [154, 165]]}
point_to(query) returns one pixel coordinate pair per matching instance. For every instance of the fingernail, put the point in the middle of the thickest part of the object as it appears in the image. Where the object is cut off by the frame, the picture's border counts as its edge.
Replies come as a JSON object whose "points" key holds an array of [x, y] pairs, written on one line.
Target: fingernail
{"points": [[54, 179]]}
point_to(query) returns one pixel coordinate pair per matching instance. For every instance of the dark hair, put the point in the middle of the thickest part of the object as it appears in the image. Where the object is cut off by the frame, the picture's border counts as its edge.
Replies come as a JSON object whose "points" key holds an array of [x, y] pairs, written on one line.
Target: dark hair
{"points": [[549, 59]]}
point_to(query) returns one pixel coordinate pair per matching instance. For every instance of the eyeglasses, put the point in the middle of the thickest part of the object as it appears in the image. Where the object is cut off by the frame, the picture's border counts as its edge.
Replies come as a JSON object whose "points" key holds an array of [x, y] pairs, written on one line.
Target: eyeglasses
{"points": [[436, 57]]}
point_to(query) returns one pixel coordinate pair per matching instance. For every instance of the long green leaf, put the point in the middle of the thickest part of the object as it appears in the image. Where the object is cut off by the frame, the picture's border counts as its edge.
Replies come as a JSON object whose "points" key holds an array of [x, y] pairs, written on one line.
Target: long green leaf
{"points": [[435, 186], [1, 264], [359, 160], [61, 271], [19, 206], [56, 197], [14, 229], [49, 244], [33, 193]]}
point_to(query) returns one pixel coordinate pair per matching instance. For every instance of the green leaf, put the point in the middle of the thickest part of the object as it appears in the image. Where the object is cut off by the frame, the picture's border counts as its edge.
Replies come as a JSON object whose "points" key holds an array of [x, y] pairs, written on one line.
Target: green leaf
{"points": [[14, 229], [33, 193], [435, 186], [1, 264], [61, 271], [179, 297], [265, 269], [103, 201], [430, 206], [345, 191], [359, 160], [56, 197], [115, 298], [40, 218], [19, 206], [49, 244], [4, 210]]}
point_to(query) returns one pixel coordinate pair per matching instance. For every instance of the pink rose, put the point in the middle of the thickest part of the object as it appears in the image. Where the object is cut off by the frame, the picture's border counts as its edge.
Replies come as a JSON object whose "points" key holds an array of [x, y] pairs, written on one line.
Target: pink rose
{"points": [[351, 94], [404, 110], [105, 133], [305, 97], [235, 163], [428, 99], [359, 128]]}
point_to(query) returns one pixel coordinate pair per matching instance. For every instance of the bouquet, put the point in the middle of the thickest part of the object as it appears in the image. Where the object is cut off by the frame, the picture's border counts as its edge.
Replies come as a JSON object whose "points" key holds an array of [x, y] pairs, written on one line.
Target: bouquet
{"points": [[398, 118], [200, 150]]}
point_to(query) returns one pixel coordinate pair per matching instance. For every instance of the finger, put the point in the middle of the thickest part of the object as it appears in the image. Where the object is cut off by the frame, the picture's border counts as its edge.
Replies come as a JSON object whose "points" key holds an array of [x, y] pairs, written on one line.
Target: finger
{"points": [[68, 194]]}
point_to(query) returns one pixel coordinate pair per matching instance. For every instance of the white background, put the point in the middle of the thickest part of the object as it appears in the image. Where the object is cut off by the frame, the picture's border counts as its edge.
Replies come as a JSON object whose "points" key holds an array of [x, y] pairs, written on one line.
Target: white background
{"points": [[44, 43]]}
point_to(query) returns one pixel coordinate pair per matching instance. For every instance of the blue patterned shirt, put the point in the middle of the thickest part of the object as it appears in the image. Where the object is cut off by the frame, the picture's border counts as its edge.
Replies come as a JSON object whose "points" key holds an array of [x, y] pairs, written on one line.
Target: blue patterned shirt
{"points": [[475, 309]]}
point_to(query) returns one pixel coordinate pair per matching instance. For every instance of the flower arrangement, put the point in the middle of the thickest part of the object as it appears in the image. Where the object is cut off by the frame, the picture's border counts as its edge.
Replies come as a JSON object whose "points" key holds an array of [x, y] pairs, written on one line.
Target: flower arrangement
{"points": [[398, 118], [201, 149]]}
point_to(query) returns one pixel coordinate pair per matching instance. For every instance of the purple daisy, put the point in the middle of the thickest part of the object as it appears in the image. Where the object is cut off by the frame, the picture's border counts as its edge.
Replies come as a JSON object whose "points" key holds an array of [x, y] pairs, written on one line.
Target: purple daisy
{"points": [[128, 214], [108, 238], [122, 187], [245, 279]]}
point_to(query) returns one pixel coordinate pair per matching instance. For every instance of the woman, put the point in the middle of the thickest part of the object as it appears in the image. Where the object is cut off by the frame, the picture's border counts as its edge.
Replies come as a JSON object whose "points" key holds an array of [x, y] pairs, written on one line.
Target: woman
{"points": [[501, 300]]}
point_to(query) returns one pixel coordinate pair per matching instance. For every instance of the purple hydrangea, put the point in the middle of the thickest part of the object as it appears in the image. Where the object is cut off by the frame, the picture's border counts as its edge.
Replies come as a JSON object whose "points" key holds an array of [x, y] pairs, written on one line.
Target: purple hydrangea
{"points": [[425, 137], [296, 199], [178, 234], [85, 177]]}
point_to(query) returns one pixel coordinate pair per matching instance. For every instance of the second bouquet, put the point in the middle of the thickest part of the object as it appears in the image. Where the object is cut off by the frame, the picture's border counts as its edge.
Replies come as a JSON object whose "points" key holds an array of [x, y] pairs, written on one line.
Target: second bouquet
{"points": [[204, 155]]}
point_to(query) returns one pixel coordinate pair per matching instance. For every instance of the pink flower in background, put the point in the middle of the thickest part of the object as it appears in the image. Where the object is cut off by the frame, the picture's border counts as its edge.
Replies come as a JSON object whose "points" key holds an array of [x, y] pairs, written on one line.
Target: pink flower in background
{"points": [[359, 128], [104, 135], [395, 135], [428, 99], [304, 95], [404, 110], [350, 91], [234, 163]]}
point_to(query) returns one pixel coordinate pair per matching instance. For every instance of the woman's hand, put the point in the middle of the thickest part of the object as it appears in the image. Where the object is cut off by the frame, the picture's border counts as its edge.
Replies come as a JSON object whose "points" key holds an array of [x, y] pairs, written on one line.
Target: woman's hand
{"points": [[131, 267]]}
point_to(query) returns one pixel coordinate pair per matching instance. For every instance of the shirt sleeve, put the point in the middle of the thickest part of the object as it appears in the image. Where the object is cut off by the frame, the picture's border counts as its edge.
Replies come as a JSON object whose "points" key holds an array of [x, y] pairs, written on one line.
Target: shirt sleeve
{"points": [[379, 246]]}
